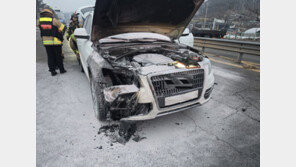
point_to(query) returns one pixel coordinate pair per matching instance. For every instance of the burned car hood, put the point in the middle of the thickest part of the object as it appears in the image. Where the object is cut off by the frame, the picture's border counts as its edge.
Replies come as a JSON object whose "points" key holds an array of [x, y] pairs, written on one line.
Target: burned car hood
{"points": [[167, 17]]}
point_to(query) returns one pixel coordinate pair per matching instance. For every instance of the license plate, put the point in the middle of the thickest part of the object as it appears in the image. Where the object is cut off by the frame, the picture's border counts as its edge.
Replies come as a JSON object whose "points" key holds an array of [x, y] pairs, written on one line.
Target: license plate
{"points": [[181, 98]]}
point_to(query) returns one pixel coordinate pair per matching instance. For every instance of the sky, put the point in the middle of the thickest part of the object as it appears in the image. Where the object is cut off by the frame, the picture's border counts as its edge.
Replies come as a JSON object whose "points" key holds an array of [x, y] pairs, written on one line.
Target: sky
{"points": [[69, 5]]}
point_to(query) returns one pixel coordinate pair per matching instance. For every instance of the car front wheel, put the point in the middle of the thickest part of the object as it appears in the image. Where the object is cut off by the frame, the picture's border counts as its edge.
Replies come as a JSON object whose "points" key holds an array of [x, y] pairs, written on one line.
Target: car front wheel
{"points": [[98, 100]]}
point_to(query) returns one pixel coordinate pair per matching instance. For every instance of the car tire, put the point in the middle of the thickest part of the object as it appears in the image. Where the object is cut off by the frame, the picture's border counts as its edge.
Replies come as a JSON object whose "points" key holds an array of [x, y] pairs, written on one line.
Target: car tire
{"points": [[79, 62], [82, 70], [98, 100]]}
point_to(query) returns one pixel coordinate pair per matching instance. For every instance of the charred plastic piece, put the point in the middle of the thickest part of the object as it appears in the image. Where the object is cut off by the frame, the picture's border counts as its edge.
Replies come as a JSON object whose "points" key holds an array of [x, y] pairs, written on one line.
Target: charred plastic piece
{"points": [[113, 92], [121, 100]]}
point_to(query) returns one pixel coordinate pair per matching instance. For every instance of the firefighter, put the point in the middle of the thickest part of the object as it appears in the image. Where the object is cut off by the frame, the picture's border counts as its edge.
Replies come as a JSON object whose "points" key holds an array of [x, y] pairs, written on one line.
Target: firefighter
{"points": [[52, 32], [70, 34]]}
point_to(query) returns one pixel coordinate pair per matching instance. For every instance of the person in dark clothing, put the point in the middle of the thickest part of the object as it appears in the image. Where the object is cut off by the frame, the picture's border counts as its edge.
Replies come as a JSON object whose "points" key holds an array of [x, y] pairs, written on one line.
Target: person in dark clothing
{"points": [[54, 58], [52, 32]]}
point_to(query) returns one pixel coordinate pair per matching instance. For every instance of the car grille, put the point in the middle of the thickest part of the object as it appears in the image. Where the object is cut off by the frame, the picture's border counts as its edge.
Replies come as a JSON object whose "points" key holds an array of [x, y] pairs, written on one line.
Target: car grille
{"points": [[177, 83]]}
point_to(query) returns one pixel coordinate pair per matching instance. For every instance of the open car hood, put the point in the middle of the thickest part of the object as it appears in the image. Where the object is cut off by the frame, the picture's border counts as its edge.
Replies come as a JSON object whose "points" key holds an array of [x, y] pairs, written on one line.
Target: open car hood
{"points": [[167, 17]]}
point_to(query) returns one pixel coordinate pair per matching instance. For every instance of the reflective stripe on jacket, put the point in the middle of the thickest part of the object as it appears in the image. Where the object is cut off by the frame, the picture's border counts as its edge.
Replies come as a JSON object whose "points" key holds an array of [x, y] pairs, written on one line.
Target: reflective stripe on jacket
{"points": [[52, 31], [73, 38], [51, 41]]}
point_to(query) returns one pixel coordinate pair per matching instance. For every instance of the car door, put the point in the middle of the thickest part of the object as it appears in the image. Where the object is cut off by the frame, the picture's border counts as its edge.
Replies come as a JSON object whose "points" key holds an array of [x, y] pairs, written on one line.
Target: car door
{"points": [[85, 45]]}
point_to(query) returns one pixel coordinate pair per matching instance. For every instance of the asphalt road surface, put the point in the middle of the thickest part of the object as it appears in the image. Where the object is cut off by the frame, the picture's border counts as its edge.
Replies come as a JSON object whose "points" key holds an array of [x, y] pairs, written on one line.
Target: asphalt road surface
{"points": [[224, 132]]}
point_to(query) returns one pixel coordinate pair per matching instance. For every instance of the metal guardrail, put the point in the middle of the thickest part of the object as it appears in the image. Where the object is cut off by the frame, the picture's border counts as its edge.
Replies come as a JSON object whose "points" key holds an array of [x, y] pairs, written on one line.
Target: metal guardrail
{"points": [[240, 47]]}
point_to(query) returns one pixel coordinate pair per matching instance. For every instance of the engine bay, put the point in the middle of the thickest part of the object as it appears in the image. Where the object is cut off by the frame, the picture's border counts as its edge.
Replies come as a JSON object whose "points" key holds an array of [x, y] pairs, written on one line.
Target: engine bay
{"points": [[152, 55]]}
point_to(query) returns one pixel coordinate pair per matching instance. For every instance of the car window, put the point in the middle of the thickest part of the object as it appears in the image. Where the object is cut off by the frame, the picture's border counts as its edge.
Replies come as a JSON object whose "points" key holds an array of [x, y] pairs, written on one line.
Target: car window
{"points": [[87, 24], [87, 10]]}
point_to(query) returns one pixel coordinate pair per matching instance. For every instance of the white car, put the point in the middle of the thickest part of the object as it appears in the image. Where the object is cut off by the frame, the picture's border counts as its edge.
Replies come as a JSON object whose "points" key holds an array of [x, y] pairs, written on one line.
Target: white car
{"points": [[135, 68]]}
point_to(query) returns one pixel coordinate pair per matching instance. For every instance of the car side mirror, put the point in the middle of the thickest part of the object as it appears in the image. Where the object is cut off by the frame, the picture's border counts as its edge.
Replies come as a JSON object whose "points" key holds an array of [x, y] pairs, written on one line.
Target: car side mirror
{"points": [[186, 32], [81, 33]]}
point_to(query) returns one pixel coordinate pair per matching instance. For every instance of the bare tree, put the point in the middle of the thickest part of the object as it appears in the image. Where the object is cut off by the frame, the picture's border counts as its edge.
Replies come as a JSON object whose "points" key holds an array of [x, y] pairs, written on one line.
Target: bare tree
{"points": [[253, 7]]}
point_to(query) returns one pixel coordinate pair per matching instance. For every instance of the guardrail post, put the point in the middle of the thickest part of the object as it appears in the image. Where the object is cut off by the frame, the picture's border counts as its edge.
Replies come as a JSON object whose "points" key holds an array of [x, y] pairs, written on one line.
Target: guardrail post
{"points": [[239, 57], [203, 49]]}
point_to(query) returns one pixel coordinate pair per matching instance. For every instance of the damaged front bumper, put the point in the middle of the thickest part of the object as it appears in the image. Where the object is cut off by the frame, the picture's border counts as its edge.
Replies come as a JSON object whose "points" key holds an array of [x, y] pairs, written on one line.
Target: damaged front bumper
{"points": [[113, 92], [165, 101]]}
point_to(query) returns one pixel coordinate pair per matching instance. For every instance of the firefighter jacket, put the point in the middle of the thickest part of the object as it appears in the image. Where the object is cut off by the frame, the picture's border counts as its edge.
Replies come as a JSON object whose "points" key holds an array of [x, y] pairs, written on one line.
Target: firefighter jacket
{"points": [[52, 30], [70, 32]]}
